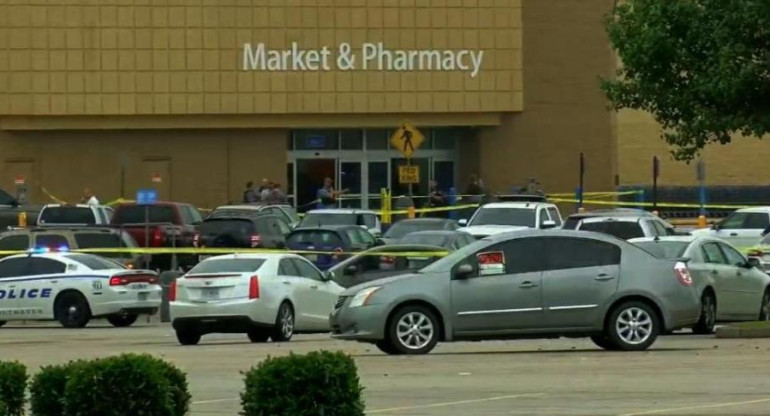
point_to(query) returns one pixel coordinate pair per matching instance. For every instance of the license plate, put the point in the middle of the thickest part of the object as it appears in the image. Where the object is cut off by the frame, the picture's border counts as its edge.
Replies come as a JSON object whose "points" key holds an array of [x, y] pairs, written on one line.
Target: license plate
{"points": [[210, 294], [142, 296], [139, 286]]}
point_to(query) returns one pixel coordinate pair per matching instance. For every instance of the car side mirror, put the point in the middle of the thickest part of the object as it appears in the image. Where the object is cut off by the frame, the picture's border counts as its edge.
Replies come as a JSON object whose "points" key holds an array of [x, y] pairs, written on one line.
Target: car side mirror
{"points": [[714, 226], [463, 222], [379, 242], [548, 224], [351, 270], [463, 271], [752, 263]]}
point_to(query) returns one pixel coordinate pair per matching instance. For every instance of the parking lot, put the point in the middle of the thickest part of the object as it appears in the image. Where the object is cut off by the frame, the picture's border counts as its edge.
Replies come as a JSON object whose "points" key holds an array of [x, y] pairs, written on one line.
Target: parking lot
{"points": [[680, 375]]}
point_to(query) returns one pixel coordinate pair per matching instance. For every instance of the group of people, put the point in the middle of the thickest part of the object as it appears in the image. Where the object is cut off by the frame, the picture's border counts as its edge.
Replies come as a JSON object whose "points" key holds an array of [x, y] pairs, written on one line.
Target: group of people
{"points": [[267, 191]]}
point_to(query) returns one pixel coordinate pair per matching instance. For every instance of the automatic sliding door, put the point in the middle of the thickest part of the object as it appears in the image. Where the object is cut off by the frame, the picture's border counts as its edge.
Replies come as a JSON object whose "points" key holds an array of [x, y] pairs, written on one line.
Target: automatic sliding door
{"points": [[350, 183]]}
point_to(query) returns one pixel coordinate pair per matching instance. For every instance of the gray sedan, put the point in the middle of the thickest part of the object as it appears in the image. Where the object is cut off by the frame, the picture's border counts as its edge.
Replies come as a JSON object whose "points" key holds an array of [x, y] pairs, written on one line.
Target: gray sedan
{"points": [[731, 288], [530, 283]]}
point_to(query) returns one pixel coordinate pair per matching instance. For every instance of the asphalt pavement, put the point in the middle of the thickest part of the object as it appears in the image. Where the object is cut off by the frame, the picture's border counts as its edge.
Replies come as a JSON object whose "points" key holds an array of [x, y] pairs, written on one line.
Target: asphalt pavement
{"points": [[681, 375]]}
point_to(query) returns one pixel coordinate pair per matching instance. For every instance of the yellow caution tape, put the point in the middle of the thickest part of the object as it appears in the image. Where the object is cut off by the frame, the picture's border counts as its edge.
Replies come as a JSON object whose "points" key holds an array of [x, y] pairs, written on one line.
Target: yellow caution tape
{"points": [[649, 204]]}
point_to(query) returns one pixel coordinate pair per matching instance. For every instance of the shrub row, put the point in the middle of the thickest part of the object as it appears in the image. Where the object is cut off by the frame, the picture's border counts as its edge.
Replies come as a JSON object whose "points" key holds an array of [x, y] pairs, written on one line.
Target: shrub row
{"points": [[319, 383], [129, 384]]}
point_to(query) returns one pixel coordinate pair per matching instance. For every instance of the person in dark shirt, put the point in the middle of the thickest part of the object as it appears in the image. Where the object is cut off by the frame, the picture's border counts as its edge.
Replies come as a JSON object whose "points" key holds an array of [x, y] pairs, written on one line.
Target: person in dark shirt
{"points": [[474, 187], [436, 199], [250, 194]]}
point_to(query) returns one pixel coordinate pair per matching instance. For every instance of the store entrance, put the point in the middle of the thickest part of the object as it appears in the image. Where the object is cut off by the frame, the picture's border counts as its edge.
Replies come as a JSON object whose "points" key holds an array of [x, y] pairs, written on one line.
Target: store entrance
{"points": [[310, 178]]}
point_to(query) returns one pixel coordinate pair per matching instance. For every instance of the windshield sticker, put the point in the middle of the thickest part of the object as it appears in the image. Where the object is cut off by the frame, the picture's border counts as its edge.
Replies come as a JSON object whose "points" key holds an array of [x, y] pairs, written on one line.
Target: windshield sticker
{"points": [[491, 263]]}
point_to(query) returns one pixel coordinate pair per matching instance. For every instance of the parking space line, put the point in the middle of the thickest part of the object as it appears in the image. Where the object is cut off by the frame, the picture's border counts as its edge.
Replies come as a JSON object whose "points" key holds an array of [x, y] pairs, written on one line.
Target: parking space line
{"points": [[702, 406], [457, 403], [216, 401]]}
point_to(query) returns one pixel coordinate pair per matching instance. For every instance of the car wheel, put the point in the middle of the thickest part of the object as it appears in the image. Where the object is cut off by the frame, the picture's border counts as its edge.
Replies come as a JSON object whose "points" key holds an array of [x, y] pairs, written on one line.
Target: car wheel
{"points": [[122, 321], [2, 323], [188, 337], [388, 348], [284, 324], [258, 335], [72, 310], [633, 326], [603, 342], [764, 311], [708, 315], [413, 330]]}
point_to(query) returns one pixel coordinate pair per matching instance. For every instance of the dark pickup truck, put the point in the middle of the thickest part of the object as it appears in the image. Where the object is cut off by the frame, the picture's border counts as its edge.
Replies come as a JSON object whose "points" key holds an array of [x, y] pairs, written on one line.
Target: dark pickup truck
{"points": [[169, 224], [10, 209]]}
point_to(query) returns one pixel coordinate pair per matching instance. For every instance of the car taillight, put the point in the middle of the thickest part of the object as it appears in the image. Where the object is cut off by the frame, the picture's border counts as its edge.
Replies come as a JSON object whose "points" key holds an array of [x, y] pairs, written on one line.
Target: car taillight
{"points": [[683, 274], [387, 259], [128, 279], [157, 237], [172, 291], [337, 252], [256, 240], [254, 287], [196, 239]]}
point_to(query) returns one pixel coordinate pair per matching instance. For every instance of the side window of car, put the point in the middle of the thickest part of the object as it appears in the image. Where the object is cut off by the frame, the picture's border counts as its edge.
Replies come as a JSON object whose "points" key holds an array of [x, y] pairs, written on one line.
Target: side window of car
{"points": [[734, 258], [14, 267], [283, 227], [366, 237], [734, 220], [575, 253], [554, 216], [660, 230], [39, 266], [712, 254], [287, 268], [542, 215], [307, 270], [14, 242], [756, 220]]}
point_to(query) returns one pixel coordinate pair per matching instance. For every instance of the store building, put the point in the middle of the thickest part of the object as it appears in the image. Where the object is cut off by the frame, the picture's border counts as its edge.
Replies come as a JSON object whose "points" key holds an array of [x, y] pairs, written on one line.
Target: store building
{"points": [[195, 98]]}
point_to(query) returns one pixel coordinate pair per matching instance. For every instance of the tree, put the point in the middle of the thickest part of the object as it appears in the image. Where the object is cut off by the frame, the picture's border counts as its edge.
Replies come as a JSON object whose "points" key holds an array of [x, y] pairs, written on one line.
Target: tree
{"points": [[700, 67]]}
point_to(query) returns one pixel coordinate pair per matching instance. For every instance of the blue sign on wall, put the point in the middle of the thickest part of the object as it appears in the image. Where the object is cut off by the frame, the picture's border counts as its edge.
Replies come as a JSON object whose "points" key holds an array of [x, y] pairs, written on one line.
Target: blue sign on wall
{"points": [[146, 196]]}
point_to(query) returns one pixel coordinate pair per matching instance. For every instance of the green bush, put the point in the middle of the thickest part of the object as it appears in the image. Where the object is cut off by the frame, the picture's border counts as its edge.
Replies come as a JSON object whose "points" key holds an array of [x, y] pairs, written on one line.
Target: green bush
{"points": [[318, 383], [13, 385], [48, 387], [126, 385], [180, 397]]}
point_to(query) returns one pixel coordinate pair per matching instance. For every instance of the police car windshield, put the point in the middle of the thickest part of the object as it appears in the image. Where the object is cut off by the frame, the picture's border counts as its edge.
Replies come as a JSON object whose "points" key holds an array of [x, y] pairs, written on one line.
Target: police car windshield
{"points": [[94, 262], [228, 266], [523, 217]]}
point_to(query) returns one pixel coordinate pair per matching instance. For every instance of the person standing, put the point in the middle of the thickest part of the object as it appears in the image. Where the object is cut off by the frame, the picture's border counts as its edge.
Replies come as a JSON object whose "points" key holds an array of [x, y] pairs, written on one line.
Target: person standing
{"points": [[474, 187], [266, 193], [250, 194], [89, 197], [436, 199], [326, 195], [278, 196]]}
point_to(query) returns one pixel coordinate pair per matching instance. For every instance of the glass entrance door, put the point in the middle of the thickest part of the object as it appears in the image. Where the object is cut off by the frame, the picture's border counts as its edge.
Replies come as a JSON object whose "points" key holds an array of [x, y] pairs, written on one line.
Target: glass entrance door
{"points": [[350, 180], [310, 178]]}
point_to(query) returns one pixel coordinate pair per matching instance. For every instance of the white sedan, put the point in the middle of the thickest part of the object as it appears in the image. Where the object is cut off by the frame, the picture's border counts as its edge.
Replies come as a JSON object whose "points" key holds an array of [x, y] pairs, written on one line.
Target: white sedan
{"points": [[262, 295], [73, 288]]}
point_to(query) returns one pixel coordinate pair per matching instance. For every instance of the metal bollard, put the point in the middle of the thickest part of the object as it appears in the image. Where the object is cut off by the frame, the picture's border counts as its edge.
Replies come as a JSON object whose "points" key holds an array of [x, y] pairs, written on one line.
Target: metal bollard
{"points": [[166, 278]]}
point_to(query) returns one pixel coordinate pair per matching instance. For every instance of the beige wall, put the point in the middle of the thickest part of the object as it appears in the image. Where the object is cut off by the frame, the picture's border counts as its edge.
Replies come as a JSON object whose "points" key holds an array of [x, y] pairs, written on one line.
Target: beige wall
{"points": [[565, 51], [75, 57], [742, 162]]}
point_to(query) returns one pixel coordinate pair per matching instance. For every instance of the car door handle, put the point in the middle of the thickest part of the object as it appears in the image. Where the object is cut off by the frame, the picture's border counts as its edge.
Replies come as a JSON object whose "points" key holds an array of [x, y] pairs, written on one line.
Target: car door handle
{"points": [[314, 287], [714, 272], [527, 285], [603, 277], [286, 282], [733, 234]]}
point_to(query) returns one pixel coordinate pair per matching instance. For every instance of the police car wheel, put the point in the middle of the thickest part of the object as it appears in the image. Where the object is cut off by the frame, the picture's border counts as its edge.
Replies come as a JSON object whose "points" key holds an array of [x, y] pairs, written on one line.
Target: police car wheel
{"points": [[186, 337], [72, 310], [122, 321]]}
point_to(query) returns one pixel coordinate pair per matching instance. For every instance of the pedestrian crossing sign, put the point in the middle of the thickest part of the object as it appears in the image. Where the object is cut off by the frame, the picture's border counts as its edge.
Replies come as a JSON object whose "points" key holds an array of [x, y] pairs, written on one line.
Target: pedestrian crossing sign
{"points": [[407, 139]]}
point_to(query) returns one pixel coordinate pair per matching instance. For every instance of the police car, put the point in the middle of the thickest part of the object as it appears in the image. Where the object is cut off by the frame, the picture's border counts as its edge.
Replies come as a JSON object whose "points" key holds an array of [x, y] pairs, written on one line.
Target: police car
{"points": [[73, 288]]}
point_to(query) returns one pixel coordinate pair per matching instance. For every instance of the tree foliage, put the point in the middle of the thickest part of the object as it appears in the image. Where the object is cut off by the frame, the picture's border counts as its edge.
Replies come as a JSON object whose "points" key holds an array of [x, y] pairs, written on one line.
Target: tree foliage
{"points": [[700, 67]]}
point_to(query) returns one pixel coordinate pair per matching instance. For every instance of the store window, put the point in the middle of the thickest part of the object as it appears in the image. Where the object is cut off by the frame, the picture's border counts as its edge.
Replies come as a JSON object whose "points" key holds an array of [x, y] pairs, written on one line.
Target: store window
{"points": [[352, 139], [377, 139], [445, 138]]}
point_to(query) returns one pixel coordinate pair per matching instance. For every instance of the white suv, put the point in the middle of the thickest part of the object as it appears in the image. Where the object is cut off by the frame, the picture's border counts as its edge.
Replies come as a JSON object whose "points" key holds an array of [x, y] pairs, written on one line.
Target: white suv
{"points": [[743, 228], [627, 227], [501, 217], [262, 295], [69, 215]]}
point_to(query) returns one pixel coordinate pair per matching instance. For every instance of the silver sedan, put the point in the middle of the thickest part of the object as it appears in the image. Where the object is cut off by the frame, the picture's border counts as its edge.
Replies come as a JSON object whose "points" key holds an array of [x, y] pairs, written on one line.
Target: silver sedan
{"points": [[524, 284]]}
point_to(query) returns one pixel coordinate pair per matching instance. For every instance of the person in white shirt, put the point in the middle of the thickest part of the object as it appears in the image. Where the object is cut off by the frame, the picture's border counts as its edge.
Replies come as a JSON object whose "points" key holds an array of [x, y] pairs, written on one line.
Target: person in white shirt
{"points": [[89, 197]]}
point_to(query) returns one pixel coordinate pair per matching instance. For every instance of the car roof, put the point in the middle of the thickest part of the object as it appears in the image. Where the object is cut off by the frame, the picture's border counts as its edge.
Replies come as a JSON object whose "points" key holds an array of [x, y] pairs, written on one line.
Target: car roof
{"points": [[423, 220], [47, 206], [616, 212], [340, 211], [528, 205], [257, 256], [53, 228], [678, 238], [329, 228], [61, 256], [555, 232], [755, 209], [448, 233], [613, 219]]}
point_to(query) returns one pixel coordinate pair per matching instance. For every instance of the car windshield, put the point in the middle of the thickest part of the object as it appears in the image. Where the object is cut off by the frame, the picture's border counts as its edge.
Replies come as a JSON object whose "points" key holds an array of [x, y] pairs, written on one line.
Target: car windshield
{"points": [[67, 215], [571, 223], [403, 228], [625, 230], [227, 266], [445, 263], [135, 214], [314, 238], [523, 217], [317, 219], [233, 226], [94, 262], [441, 240], [664, 249], [103, 240]]}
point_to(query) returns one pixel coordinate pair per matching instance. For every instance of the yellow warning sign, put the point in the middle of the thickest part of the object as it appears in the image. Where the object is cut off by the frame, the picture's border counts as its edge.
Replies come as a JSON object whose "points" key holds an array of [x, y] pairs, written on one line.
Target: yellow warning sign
{"points": [[408, 174], [407, 139]]}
